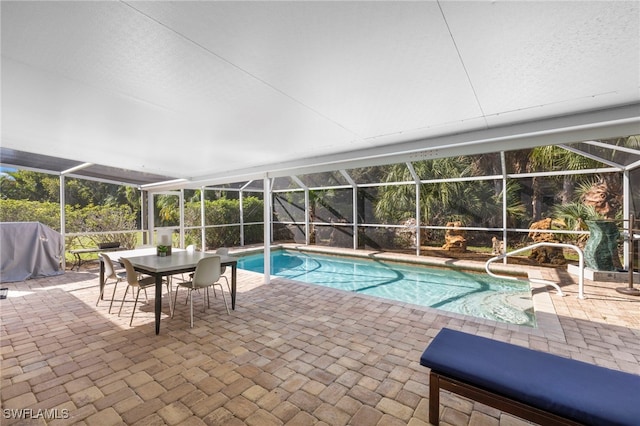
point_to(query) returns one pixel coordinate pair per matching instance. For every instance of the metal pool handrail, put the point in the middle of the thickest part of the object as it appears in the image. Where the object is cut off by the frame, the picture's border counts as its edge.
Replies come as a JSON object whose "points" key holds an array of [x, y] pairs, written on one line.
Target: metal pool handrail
{"points": [[536, 245]]}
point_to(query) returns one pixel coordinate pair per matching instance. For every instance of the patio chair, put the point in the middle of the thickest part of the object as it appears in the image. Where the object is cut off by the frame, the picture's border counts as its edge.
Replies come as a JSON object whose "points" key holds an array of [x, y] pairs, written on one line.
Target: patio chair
{"points": [[110, 273], [134, 281], [223, 251], [191, 248], [206, 275]]}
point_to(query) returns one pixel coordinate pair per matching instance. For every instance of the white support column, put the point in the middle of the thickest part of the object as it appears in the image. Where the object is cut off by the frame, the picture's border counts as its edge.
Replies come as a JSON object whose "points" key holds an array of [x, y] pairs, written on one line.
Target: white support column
{"points": [[143, 194], [307, 226], [63, 220], [267, 228], [505, 204], [626, 212], [182, 218], [150, 213], [418, 218], [355, 217], [203, 233], [241, 199]]}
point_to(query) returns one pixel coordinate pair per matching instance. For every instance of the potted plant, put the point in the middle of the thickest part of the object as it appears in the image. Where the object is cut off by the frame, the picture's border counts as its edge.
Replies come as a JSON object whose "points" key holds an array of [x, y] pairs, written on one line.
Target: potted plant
{"points": [[163, 250]]}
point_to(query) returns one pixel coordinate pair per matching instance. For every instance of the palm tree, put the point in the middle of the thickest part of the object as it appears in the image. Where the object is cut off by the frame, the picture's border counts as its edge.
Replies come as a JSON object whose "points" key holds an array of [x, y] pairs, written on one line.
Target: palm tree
{"points": [[603, 192], [168, 209], [574, 217], [553, 158], [473, 203]]}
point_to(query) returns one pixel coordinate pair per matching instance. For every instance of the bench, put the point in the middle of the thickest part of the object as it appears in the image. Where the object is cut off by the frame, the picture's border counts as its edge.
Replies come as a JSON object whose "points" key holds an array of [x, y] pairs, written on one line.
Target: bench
{"points": [[537, 386], [102, 247]]}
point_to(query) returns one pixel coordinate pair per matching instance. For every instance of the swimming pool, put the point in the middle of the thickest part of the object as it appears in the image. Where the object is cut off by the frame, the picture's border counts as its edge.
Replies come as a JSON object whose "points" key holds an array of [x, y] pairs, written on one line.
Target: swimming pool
{"points": [[468, 293]]}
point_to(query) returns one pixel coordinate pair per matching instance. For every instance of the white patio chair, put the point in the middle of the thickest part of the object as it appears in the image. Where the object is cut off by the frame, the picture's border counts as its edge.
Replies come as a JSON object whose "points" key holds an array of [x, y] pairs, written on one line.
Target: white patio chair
{"points": [[134, 281], [110, 273], [206, 275]]}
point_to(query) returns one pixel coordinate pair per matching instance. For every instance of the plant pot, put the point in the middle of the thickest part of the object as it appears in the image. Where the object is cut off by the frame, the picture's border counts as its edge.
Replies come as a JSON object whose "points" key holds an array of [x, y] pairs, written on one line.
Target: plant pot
{"points": [[163, 250]]}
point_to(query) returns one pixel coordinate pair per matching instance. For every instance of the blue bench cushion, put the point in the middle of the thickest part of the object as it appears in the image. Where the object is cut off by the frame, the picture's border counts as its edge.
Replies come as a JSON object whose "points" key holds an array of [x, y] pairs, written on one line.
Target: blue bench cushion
{"points": [[572, 389]]}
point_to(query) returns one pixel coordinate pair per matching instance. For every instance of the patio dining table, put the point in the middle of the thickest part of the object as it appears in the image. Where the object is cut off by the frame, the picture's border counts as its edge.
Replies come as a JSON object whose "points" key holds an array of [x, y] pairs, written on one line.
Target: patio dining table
{"points": [[180, 261]]}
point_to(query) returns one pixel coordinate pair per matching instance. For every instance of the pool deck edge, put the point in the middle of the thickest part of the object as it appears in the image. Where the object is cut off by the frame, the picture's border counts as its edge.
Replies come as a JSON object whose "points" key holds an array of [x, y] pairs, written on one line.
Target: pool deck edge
{"points": [[547, 322]]}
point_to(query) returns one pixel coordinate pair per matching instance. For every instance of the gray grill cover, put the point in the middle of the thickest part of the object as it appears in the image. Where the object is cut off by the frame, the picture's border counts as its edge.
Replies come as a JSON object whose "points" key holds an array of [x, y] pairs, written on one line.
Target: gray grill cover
{"points": [[29, 250]]}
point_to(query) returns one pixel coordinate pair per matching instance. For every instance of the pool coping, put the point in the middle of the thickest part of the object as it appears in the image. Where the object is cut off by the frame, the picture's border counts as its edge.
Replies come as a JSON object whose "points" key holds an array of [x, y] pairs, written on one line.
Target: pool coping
{"points": [[547, 321]]}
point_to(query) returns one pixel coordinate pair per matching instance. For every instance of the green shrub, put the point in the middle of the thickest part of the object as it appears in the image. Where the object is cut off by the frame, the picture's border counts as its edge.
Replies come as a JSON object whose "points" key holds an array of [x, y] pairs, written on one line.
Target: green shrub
{"points": [[87, 219], [46, 212]]}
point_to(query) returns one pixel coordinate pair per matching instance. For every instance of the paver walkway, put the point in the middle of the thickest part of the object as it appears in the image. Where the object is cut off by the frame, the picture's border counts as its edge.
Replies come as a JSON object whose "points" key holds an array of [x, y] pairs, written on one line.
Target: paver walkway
{"points": [[290, 353]]}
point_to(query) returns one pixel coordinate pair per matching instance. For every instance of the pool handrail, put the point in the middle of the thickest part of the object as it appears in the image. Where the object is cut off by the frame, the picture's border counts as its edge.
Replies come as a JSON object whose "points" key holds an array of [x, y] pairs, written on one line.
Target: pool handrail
{"points": [[536, 245]]}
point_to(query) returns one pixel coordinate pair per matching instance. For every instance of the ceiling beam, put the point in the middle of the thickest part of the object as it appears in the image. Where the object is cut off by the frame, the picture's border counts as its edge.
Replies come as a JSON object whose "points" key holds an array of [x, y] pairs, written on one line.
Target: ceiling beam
{"points": [[601, 124]]}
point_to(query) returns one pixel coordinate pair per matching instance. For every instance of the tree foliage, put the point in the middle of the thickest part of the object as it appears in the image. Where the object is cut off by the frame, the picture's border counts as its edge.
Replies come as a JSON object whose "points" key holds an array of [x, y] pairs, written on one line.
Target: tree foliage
{"points": [[475, 203], [45, 212], [29, 185], [100, 207], [90, 207], [90, 219]]}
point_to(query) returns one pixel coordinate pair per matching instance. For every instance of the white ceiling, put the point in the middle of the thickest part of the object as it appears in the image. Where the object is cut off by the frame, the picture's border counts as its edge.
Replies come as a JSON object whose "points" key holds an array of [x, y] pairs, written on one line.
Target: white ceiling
{"points": [[213, 90]]}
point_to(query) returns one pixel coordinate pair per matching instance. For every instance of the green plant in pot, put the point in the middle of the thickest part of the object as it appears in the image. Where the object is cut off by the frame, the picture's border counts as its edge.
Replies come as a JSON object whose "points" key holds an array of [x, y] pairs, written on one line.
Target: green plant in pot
{"points": [[163, 250]]}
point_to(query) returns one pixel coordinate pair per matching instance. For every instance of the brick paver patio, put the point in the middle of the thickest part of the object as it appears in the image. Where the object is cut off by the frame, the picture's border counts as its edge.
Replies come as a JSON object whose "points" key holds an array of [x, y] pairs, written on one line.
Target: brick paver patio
{"points": [[290, 353]]}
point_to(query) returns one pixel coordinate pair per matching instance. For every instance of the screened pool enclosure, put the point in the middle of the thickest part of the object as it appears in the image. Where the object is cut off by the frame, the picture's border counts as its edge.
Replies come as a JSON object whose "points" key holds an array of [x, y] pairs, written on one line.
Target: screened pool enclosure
{"points": [[406, 206], [410, 206], [401, 126]]}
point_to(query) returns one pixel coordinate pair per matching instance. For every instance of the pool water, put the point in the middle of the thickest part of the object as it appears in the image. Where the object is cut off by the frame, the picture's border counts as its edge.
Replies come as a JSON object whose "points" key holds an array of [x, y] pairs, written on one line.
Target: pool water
{"points": [[467, 293]]}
